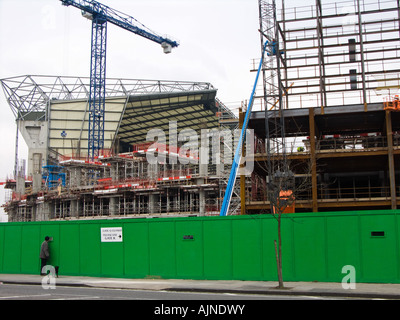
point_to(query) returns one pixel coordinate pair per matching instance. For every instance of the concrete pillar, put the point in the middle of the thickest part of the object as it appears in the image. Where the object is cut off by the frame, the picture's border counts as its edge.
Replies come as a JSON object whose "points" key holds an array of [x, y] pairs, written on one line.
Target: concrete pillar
{"points": [[36, 182], [202, 202], [113, 206], [203, 154], [35, 135], [152, 203], [152, 171], [168, 202], [74, 207], [114, 171], [202, 198], [43, 212], [20, 185], [34, 212], [75, 177]]}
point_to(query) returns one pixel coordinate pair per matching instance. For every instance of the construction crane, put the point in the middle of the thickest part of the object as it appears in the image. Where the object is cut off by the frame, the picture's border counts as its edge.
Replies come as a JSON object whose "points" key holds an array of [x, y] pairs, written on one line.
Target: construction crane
{"points": [[100, 14]]}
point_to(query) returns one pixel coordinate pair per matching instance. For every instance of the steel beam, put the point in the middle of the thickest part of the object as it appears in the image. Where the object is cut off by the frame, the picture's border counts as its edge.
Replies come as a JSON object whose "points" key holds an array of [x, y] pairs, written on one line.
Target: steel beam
{"points": [[313, 161], [391, 169], [320, 35]]}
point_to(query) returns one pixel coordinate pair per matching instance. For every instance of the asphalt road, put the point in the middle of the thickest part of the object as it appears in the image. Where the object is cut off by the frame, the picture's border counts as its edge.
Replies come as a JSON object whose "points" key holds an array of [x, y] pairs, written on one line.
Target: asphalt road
{"points": [[36, 292], [148, 304]]}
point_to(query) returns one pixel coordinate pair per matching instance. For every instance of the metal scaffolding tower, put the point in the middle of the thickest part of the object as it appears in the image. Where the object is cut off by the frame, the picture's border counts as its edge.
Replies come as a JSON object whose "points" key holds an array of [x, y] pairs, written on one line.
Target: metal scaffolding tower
{"points": [[279, 176]]}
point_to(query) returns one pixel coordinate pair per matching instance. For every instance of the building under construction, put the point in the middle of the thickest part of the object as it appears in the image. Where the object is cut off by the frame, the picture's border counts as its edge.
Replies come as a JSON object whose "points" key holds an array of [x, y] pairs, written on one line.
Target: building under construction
{"points": [[62, 182], [327, 134], [328, 127]]}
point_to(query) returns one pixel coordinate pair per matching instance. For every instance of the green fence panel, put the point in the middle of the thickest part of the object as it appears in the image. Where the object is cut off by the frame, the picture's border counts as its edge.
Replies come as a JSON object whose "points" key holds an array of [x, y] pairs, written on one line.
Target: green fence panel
{"points": [[379, 249], [69, 249], [315, 247], [30, 246], [397, 225], [162, 249], [247, 249], [269, 234], [189, 249], [1, 247], [136, 246], [309, 248], [12, 249], [89, 249], [343, 245], [217, 235]]}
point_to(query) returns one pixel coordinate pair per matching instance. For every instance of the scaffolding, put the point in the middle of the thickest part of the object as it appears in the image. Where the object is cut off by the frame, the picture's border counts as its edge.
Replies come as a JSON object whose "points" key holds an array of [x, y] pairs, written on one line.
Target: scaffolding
{"points": [[129, 185], [63, 183]]}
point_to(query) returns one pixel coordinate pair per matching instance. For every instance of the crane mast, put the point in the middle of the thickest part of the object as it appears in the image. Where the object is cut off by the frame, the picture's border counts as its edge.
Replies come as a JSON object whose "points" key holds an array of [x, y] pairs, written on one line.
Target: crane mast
{"points": [[100, 14]]}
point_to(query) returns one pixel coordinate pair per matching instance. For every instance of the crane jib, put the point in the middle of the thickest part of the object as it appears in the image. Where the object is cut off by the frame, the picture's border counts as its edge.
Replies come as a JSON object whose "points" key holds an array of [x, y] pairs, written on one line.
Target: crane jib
{"points": [[117, 18]]}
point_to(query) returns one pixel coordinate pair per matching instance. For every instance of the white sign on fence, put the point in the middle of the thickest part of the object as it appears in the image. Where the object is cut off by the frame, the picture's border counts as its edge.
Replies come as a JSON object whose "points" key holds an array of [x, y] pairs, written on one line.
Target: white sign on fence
{"points": [[111, 234]]}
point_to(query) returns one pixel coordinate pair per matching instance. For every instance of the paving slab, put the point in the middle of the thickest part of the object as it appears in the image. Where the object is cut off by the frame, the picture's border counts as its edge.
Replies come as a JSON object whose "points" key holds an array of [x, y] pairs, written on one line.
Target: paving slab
{"points": [[366, 290]]}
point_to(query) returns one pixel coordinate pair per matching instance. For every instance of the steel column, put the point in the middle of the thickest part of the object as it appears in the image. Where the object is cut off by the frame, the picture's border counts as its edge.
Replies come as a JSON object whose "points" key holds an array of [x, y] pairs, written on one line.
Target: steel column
{"points": [[360, 32], [391, 169], [313, 160], [320, 36]]}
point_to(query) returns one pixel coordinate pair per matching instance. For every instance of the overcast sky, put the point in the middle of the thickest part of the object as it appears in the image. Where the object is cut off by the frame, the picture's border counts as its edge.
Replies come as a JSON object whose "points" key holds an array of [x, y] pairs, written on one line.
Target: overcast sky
{"points": [[218, 40]]}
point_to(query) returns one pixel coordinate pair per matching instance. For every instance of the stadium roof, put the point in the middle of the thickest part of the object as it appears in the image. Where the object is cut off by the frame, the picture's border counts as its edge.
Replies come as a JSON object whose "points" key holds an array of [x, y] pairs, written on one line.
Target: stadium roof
{"points": [[31, 93], [133, 107], [191, 110]]}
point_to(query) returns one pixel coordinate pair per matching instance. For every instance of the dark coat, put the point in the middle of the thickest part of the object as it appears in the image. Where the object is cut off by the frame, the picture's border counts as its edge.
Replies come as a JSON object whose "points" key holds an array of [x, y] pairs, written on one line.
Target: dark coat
{"points": [[44, 251]]}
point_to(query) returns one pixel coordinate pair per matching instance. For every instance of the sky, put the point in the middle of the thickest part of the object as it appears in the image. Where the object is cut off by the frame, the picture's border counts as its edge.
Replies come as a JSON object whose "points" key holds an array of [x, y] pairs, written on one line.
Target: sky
{"points": [[218, 40]]}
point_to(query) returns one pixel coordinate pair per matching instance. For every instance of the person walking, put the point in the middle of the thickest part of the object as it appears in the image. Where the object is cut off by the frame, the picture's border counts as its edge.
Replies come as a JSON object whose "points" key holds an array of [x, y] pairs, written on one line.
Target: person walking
{"points": [[44, 254]]}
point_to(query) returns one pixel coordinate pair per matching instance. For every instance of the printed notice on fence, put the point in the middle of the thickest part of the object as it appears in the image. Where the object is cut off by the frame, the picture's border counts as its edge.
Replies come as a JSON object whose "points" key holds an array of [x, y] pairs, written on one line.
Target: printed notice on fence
{"points": [[111, 234]]}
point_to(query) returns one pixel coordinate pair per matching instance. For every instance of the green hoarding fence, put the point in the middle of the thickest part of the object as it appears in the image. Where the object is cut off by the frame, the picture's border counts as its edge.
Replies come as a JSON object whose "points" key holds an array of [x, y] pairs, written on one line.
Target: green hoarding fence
{"points": [[315, 247]]}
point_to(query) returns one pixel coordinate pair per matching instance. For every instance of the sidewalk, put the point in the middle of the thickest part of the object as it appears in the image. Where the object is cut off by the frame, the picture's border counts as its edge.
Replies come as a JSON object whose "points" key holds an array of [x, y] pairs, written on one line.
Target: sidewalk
{"points": [[363, 290]]}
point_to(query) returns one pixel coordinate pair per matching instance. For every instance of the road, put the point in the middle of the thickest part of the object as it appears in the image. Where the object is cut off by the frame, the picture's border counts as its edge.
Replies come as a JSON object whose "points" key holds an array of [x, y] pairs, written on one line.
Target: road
{"points": [[149, 304], [36, 292]]}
